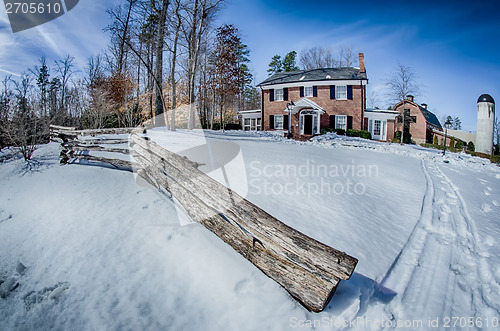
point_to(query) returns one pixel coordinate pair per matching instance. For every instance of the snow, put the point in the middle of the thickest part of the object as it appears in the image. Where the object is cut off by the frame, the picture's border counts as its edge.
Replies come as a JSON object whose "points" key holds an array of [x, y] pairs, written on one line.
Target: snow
{"points": [[90, 247]]}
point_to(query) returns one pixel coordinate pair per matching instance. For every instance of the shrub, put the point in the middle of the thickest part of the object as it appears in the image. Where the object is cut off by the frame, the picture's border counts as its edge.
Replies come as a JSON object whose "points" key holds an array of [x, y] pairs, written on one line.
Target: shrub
{"points": [[216, 126], [232, 126], [359, 133], [352, 133], [340, 132], [460, 144], [452, 142], [365, 134], [407, 137], [435, 140], [495, 159], [483, 155], [471, 147]]}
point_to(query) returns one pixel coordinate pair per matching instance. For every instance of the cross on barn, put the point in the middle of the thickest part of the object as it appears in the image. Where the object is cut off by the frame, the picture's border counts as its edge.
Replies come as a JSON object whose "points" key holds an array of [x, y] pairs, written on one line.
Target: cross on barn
{"points": [[408, 119], [421, 123]]}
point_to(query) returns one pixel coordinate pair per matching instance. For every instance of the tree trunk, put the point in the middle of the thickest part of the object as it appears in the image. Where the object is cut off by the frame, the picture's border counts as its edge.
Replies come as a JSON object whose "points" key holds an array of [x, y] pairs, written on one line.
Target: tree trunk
{"points": [[160, 40], [194, 45], [124, 35], [172, 73]]}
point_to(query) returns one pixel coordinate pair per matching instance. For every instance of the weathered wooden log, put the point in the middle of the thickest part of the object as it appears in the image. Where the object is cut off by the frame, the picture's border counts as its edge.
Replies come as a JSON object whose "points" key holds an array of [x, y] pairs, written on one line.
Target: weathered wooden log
{"points": [[96, 141], [215, 193], [89, 148], [309, 270], [58, 127], [95, 132], [117, 163]]}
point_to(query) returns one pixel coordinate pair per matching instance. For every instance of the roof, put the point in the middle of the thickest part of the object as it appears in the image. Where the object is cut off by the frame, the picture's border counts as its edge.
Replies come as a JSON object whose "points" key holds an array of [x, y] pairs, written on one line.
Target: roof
{"points": [[306, 103], [485, 98], [375, 110], [430, 117], [249, 111], [312, 75]]}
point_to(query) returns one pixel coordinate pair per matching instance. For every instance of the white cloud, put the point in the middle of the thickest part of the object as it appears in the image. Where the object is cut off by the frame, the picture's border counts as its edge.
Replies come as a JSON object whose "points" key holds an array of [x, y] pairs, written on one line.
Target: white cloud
{"points": [[77, 33]]}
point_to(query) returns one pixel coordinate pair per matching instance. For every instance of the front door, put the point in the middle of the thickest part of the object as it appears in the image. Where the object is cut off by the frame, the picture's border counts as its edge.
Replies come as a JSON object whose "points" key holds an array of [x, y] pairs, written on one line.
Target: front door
{"points": [[308, 124]]}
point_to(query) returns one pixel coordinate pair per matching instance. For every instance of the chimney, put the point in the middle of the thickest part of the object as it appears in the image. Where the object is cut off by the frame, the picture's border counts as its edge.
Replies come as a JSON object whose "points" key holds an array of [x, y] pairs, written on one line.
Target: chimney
{"points": [[409, 97], [424, 105], [362, 69]]}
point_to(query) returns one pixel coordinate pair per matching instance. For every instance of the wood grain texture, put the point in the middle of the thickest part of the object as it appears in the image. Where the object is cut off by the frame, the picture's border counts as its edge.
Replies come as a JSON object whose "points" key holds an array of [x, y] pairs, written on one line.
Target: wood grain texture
{"points": [[95, 148], [117, 163], [309, 270]]}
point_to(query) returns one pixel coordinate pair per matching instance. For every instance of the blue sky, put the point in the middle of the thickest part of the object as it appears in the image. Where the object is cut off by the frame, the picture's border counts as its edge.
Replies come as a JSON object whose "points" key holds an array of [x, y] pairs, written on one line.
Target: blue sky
{"points": [[452, 46]]}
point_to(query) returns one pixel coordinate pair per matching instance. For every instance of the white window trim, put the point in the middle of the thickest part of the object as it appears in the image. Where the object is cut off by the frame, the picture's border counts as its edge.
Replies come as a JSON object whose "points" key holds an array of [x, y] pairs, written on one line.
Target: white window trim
{"points": [[311, 89], [337, 95], [379, 122], [338, 124], [275, 122], [316, 121], [276, 94]]}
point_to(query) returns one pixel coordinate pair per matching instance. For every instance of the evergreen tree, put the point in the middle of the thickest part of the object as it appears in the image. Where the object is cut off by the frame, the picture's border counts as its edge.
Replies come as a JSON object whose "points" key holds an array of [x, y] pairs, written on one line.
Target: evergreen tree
{"points": [[289, 62], [275, 66]]}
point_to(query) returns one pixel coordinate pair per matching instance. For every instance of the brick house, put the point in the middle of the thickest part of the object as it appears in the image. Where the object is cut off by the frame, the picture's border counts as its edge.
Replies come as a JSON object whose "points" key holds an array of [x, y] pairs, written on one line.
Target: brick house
{"points": [[419, 121], [318, 98]]}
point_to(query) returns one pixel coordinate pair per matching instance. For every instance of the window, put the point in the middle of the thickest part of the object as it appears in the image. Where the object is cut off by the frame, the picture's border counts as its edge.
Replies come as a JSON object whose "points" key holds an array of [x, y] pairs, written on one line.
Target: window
{"points": [[278, 95], [278, 122], [376, 128], [341, 92], [308, 91], [341, 122], [251, 124]]}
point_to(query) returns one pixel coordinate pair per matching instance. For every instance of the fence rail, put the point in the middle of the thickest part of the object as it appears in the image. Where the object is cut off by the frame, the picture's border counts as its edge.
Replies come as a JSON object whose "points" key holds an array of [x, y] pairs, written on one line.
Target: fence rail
{"points": [[75, 148], [309, 270]]}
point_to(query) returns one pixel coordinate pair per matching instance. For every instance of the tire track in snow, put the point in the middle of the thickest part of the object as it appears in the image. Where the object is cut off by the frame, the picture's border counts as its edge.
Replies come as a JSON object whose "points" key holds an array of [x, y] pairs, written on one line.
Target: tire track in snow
{"points": [[443, 261]]}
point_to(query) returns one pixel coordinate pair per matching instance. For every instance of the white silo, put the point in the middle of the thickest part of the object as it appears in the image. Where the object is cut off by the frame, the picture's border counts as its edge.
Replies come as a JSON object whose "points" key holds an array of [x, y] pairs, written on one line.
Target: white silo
{"points": [[485, 124]]}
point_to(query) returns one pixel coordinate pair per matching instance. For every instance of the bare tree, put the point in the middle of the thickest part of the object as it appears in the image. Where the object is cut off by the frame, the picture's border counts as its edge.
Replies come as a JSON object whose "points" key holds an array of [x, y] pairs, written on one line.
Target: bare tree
{"points": [[400, 84], [176, 26], [6, 96], [64, 69], [322, 57], [199, 13], [120, 31], [24, 130], [373, 100]]}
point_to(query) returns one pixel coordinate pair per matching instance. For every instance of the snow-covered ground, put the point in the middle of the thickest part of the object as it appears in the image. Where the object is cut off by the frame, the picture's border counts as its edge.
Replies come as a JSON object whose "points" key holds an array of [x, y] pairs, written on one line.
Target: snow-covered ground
{"points": [[102, 250]]}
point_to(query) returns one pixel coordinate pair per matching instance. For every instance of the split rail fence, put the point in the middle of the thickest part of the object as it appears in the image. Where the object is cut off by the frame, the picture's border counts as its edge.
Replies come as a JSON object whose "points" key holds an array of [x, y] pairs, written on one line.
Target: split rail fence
{"points": [[308, 269]]}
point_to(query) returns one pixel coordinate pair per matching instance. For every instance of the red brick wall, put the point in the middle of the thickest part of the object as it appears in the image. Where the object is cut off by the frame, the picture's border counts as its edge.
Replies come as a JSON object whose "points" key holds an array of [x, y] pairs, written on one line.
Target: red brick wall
{"points": [[352, 108], [390, 130], [418, 130]]}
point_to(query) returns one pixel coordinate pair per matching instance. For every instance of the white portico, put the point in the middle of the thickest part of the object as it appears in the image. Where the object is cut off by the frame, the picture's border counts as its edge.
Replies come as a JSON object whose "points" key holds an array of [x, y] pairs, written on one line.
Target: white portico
{"points": [[309, 115]]}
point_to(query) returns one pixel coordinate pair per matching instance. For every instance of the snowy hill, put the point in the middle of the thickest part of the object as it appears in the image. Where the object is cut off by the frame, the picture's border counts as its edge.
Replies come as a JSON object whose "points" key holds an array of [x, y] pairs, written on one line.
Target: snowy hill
{"points": [[102, 250]]}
